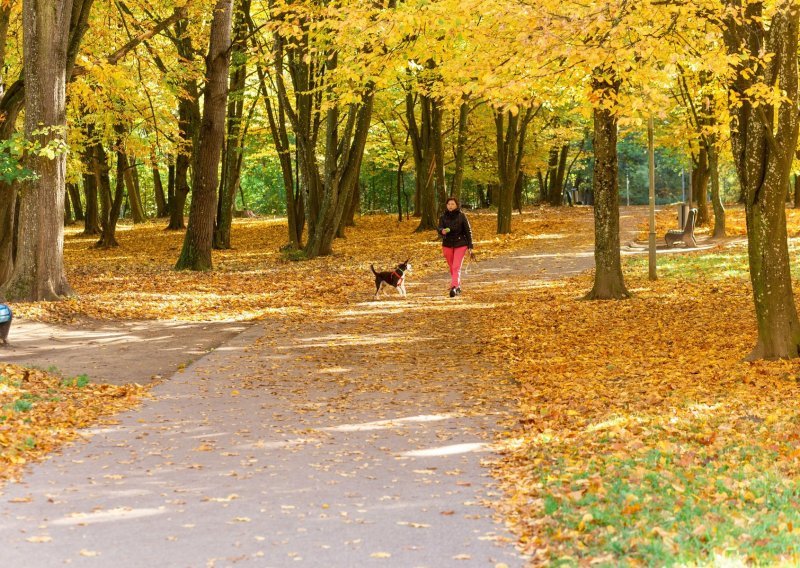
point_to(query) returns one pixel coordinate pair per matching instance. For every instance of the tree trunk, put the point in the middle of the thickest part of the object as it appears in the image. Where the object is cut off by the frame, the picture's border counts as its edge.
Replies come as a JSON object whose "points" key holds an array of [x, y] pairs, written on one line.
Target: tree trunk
{"points": [[39, 268], [400, 165], [608, 280], [353, 204], [234, 143], [460, 153], [763, 144], [189, 127], [91, 222], [134, 197], [110, 205], [280, 138], [423, 146], [510, 140], [438, 154], [158, 190], [196, 253], [8, 206], [75, 197], [716, 197], [170, 186], [518, 192], [700, 176], [542, 186], [341, 173], [13, 99], [68, 219], [557, 171], [796, 191]]}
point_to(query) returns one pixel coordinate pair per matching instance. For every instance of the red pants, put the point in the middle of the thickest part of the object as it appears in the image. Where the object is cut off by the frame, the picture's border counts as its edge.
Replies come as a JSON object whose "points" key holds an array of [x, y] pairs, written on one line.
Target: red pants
{"points": [[455, 258]]}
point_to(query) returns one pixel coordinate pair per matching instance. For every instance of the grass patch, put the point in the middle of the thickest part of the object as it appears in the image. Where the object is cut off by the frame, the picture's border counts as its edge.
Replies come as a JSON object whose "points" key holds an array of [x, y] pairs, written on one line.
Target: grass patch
{"points": [[80, 381], [653, 510], [693, 266]]}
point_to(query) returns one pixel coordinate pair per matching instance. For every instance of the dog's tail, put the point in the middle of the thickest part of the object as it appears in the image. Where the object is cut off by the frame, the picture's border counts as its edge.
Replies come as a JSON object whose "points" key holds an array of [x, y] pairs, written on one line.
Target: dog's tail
{"points": [[373, 270]]}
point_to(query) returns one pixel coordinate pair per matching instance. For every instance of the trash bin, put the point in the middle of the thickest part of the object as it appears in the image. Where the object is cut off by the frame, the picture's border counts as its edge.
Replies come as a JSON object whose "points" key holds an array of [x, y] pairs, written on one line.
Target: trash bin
{"points": [[683, 214]]}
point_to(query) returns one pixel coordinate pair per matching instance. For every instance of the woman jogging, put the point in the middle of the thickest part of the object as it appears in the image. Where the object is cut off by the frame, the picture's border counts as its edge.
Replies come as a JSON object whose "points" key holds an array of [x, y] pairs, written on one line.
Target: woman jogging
{"points": [[456, 241]]}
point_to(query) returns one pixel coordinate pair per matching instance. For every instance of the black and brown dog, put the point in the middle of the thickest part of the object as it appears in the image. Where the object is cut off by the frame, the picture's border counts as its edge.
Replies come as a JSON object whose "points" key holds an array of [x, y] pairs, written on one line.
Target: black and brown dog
{"points": [[5, 322], [396, 278]]}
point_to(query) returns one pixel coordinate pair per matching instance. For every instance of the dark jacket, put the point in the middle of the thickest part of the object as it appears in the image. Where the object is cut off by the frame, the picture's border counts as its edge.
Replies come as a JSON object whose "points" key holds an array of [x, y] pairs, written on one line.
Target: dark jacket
{"points": [[460, 234]]}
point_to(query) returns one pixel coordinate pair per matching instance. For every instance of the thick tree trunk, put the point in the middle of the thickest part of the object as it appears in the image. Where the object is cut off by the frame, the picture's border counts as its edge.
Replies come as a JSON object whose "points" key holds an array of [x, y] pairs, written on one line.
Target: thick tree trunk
{"points": [[608, 280], [39, 268], [196, 253], [763, 144]]}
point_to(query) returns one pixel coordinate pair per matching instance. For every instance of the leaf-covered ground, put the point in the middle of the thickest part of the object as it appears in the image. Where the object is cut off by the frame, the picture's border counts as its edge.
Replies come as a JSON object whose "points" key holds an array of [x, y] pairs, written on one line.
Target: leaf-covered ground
{"points": [[255, 279], [640, 436], [40, 410], [643, 436]]}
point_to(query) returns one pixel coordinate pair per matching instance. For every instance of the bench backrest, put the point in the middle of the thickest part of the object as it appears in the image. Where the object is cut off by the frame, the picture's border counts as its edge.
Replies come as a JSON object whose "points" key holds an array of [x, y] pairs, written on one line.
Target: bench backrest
{"points": [[689, 226]]}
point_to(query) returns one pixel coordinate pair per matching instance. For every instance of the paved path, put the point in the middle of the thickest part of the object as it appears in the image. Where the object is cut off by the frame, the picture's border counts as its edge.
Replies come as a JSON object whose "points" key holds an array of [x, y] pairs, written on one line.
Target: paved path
{"points": [[352, 441]]}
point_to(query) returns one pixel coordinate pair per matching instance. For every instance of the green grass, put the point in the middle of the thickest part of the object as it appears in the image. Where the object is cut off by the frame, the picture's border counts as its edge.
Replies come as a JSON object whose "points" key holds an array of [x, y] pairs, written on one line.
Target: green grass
{"points": [[21, 405], [715, 266], [653, 512], [732, 263], [80, 381]]}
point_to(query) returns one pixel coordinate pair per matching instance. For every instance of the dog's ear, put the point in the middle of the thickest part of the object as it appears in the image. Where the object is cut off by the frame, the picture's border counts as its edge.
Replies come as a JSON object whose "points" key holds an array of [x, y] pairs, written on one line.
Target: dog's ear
{"points": [[406, 261]]}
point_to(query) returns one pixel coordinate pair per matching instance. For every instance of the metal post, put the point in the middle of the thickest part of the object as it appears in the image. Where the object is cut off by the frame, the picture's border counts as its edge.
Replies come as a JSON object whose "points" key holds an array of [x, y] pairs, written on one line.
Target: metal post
{"points": [[683, 187], [627, 190], [652, 160]]}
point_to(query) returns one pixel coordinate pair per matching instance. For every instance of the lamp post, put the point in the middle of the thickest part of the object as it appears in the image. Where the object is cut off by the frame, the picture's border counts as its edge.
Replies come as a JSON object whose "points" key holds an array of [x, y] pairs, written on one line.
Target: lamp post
{"points": [[652, 160]]}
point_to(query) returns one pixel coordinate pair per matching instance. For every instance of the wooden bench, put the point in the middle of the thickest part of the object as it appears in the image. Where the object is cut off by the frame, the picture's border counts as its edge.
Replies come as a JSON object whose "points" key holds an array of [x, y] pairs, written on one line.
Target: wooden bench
{"points": [[686, 235]]}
